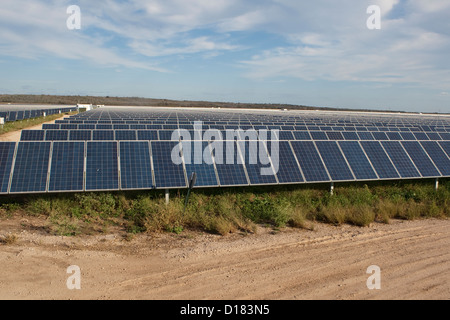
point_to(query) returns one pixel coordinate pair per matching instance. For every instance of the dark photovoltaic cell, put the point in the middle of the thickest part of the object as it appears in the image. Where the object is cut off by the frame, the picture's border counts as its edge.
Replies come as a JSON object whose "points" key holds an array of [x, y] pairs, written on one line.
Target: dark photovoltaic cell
{"points": [[438, 156], [445, 136], [284, 162], [421, 136], [434, 136], [310, 161], [408, 136], [259, 168], [358, 161], [285, 135], [166, 135], [394, 136], [350, 136], [103, 135], [135, 165], [334, 161], [148, 135], [230, 168], [446, 146], [421, 159], [379, 159], [31, 167], [32, 135], [80, 135], [56, 135], [167, 173], [125, 135], [102, 171], [319, 135], [365, 136], [199, 160], [335, 135], [380, 136], [67, 167], [302, 135], [400, 159], [6, 159]]}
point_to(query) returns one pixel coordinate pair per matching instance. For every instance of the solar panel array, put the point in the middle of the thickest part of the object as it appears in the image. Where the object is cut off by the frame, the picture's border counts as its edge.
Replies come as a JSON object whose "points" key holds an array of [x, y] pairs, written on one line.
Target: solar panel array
{"points": [[18, 112], [147, 148]]}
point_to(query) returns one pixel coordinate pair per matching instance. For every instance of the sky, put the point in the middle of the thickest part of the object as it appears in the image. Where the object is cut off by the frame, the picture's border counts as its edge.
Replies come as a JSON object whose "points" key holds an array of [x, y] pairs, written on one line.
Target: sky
{"points": [[317, 53]]}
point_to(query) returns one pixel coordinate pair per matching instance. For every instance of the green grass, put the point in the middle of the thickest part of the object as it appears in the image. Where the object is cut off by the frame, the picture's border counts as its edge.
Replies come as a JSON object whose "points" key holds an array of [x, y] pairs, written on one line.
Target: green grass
{"points": [[233, 210], [23, 124]]}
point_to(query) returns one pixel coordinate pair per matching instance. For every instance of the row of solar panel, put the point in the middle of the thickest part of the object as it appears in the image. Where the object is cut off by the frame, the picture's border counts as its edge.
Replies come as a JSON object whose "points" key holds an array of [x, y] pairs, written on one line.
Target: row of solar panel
{"points": [[224, 127], [38, 167], [166, 135], [10, 116]]}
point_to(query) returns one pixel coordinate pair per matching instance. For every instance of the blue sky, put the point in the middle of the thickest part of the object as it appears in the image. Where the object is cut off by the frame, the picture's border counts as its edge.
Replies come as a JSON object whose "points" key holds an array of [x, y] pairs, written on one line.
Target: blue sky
{"points": [[317, 53]]}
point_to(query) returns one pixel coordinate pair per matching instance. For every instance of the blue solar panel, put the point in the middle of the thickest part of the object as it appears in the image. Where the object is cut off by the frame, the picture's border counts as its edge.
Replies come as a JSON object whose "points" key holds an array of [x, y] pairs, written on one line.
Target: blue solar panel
{"points": [[395, 136], [198, 159], [168, 174], [379, 159], [349, 135], [302, 135], [421, 159], [125, 135], [230, 167], [80, 135], [257, 162], [167, 135], [445, 136], [380, 136], [135, 165], [148, 135], [102, 171], [318, 135], [31, 167], [335, 135], [284, 162], [446, 146], [421, 136], [434, 136], [334, 161], [6, 159], [310, 161], [401, 159], [438, 156], [365, 136], [32, 135], [408, 136], [358, 161], [56, 135], [67, 167], [285, 135], [103, 135]]}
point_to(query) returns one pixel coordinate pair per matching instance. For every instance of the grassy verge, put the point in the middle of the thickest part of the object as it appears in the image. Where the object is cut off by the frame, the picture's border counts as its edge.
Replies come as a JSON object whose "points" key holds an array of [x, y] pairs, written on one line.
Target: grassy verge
{"points": [[23, 124], [225, 211]]}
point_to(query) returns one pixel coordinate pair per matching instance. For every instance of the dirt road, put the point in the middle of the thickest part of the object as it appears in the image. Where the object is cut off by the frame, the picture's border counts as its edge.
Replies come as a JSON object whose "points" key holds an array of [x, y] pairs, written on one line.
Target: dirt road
{"points": [[328, 263]]}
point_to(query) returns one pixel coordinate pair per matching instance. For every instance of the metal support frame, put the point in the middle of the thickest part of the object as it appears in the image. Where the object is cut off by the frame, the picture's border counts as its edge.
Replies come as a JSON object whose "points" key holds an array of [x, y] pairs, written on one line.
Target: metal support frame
{"points": [[167, 197]]}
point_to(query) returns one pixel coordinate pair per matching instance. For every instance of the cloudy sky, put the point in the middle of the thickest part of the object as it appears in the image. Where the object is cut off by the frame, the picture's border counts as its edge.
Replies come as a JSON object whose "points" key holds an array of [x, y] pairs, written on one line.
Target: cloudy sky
{"points": [[317, 53]]}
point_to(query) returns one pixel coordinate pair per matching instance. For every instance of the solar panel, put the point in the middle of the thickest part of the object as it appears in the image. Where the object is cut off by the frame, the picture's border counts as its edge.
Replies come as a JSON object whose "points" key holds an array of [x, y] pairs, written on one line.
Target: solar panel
{"points": [[257, 162], [365, 136], [166, 135], [56, 135], [102, 171], [394, 136], [167, 173], [434, 136], [445, 136], [125, 135], [318, 135], [302, 135], [80, 135], [198, 159], [135, 165], [334, 161], [310, 161], [408, 136], [285, 135], [31, 167], [438, 156], [380, 160], [421, 159], [350, 135], [335, 135], [67, 167], [285, 164], [103, 135], [147, 135], [380, 136], [357, 160], [230, 168], [6, 159], [446, 146], [32, 135], [401, 160]]}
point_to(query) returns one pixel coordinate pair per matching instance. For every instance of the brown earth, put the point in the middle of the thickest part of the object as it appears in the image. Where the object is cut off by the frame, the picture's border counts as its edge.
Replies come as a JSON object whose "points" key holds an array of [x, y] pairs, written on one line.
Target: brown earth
{"points": [[327, 263]]}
